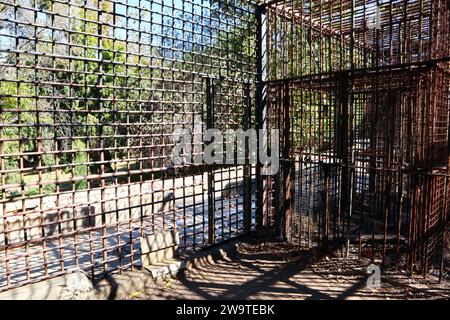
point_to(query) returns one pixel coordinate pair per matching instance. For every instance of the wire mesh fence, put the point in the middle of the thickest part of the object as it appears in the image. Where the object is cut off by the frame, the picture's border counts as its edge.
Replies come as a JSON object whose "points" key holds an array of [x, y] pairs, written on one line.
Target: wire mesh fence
{"points": [[360, 90], [95, 95], [91, 94]]}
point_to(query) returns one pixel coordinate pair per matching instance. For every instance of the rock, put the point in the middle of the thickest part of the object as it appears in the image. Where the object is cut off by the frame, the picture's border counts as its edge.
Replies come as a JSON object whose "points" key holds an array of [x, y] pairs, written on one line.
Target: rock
{"points": [[69, 286], [79, 281], [77, 286]]}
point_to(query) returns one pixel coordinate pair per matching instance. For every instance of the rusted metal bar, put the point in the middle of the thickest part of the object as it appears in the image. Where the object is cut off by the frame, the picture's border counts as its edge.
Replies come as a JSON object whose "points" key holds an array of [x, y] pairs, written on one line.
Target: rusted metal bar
{"points": [[395, 124], [286, 166], [261, 110], [210, 106], [246, 124]]}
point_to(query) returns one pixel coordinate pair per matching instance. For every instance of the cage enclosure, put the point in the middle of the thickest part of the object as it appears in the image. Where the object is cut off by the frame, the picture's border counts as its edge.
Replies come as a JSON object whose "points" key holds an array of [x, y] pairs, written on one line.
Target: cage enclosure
{"points": [[96, 95]]}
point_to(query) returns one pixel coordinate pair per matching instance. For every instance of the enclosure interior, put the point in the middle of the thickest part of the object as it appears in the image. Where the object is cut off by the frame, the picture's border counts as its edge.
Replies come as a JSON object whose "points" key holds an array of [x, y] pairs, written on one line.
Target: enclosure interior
{"points": [[359, 91]]}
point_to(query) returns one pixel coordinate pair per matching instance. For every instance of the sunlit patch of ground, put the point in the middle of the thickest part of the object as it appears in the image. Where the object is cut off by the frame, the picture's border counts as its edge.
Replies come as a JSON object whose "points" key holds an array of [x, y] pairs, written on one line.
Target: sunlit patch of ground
{"points": [[279, 271]]}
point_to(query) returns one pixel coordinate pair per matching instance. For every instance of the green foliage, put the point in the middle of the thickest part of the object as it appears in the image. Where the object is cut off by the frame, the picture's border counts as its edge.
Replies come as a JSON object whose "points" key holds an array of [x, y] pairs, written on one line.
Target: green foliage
{"points": [[80, 170], [12, 178], [106, 81]]}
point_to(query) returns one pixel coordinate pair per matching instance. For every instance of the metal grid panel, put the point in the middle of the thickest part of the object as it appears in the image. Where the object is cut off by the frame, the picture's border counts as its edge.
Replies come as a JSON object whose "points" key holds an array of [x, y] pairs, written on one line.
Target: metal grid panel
{"points": [[91, 92], [368, 124], [319, 37]]}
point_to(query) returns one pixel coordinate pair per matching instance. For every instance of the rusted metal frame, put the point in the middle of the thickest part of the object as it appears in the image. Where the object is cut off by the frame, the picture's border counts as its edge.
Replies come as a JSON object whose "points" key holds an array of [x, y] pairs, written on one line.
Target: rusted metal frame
{"points": [[21, 161], [271, 216], [275, 121], [416, 204], [286, 164], [173, 209], [142, 217], [55, 158], [40, 147], [3, 204], [429, 189], [401, 197], [373, 144], [391, 105], [220, 173], [337, 143], [391, 112], [443, 229], [445, 208], [246, 124], [324, 168], [342, 134], [420, 204], [417, 67], [317, 25], [310, 103], [101, 143], [210, 91], [261, 110], [428, 195], [90, 178], [421, 223], [363, 191], [304, 213], [326, 203]]}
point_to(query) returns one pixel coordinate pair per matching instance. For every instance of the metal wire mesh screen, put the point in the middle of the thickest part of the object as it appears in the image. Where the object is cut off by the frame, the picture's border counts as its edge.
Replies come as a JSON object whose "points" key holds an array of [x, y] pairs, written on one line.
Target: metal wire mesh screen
{"points": [[91, 93], [360, 93]]}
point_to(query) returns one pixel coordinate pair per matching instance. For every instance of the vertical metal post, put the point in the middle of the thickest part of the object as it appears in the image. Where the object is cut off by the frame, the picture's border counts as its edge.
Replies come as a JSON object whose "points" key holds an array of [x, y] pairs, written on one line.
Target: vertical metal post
{"points": [[443, 229], [211, 193], [343, 154], [247, 119], [326, 201], [261, 110], [286, 163], [277, 186], [343, 140]]}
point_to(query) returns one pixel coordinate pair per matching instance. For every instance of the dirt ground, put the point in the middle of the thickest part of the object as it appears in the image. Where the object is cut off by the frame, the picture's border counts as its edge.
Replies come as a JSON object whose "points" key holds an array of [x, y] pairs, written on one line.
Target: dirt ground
{"points": [[279, 271]]}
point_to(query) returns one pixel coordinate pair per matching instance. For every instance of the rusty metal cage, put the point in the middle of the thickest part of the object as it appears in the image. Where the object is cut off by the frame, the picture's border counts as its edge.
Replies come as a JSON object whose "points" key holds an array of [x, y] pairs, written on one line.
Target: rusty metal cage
{"points": [[360, 92], [93, 91]]}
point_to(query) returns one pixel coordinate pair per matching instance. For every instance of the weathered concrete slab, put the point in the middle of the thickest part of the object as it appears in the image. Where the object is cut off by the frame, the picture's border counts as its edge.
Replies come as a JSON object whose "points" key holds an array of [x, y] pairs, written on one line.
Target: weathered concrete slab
{"points": [[160, 240], [159, 253], [166, 267], [156, 257]]}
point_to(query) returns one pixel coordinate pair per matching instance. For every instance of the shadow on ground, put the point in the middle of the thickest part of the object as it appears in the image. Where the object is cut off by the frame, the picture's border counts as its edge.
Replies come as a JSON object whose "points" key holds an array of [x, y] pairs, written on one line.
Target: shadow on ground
{"points": [[280, 271]]}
